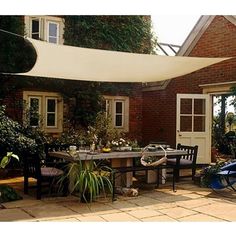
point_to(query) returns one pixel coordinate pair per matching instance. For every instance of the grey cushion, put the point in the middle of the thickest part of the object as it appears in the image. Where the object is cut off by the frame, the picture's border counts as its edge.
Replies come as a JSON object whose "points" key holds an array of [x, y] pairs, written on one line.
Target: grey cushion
{"points": [[50, 171], [182, 161]]}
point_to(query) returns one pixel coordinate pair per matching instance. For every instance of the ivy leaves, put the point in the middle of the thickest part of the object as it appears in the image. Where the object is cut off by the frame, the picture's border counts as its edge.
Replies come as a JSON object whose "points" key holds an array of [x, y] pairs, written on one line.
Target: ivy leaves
{"points": [[119, 33]]}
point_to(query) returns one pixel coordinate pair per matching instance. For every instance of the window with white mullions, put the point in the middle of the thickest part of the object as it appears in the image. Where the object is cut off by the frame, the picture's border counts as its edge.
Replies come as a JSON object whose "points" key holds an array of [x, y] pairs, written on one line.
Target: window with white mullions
{"points": [[192, 115], [34, 111], [119, 114], [51, 112], [53, 32], [35, 29]]}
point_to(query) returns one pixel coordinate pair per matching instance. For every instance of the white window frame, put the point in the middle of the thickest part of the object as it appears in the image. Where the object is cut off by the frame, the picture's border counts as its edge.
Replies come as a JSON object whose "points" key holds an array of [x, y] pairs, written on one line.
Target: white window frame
{"points": [[47, 112], [40, 107], [43, 22], [111, 110], [31, 26], [58, 31], [58, 128]]}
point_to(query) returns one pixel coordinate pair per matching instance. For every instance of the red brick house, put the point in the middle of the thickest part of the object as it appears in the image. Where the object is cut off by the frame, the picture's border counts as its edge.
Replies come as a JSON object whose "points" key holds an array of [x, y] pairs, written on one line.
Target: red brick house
{"points": [[187, 119], [176, 110]]}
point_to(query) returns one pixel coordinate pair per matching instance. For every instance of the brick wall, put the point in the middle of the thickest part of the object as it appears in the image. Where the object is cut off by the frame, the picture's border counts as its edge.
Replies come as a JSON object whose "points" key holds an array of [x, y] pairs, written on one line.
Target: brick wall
{"points": [[135, 113], [134, 92], [14, 105], [159, 107]]}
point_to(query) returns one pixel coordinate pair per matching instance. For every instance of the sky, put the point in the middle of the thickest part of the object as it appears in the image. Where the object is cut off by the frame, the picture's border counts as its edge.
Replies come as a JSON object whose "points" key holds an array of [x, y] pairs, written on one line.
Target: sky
{"points": [[173, 29]]}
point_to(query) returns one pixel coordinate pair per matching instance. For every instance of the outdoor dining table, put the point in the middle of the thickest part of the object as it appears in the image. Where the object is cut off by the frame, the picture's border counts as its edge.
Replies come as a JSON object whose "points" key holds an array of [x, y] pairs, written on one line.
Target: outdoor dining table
{"points": [[119, 159]]}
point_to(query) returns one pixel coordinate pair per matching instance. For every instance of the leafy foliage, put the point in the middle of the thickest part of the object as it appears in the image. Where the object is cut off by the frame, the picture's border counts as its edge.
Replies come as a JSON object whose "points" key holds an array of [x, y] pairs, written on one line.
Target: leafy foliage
{"points": [[6, 159], [88, 180], [119, 33], [7, 194], [17, 138], [209, 172], [102, 129]]}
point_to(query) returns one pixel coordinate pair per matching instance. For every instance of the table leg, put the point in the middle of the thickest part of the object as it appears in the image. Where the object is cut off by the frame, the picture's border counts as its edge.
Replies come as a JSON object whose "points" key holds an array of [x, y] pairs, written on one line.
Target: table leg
{"points": [[152, 176], [126, 178]]}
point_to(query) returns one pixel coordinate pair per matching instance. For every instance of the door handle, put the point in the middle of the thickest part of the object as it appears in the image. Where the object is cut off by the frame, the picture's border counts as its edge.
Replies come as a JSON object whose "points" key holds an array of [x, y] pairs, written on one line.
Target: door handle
{"points": [[179, 133]]}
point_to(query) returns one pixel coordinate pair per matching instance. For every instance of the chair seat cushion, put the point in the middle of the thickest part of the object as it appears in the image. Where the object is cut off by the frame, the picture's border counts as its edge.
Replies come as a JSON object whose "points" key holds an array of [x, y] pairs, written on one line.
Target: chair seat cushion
{"points": [[182, 161], [50, 171]]}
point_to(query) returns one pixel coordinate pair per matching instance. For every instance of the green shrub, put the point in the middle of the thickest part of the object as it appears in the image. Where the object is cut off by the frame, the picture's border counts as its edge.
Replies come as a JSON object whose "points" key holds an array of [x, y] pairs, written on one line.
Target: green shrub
{"points": [[7, 194], [17, 138]]}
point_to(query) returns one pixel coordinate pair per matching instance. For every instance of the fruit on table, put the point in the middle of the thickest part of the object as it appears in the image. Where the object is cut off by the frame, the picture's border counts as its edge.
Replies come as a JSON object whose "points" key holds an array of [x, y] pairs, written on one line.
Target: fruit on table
{"points": [[106, 149]]}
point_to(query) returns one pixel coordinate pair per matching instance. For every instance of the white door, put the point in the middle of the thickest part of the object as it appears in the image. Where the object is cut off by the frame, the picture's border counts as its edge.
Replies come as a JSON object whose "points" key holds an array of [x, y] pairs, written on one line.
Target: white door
{"points": [[193, 123]]}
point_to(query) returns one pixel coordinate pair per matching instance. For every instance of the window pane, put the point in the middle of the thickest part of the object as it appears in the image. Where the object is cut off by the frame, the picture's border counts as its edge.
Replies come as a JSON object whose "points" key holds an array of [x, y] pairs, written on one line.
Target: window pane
{"points": [[35, 26], [35, 36], [51, 106], [51, 120], [118, 107], [34, 112], [118, 120], [34, 104], [186, 123], [199, 124], [185, 106], [200, 106], [52, 40], [52, 29], [34, 119]]}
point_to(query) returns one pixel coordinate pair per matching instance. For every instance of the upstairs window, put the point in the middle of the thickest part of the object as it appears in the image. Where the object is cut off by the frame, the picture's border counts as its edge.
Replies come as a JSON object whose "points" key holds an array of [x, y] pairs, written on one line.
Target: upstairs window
{"points": [[35, 29], [45, 28], [53, 32]]}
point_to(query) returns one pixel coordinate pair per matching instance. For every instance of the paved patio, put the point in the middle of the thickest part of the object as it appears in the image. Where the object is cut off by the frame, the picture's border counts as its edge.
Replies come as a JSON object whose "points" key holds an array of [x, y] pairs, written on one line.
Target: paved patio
{"points": [[189, 203]]}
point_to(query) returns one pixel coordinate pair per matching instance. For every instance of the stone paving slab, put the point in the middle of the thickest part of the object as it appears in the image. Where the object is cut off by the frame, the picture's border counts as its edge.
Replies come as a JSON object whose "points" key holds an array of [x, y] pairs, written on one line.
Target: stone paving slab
{"points": [[48, 210], [124, 205], [225, 211], [90, 209], [177, 212], [193, 203], [189, 203], [161, 218], [21, 203], [144, 213], [91, 219], [119, 217], [14, 215], [200, 218]]}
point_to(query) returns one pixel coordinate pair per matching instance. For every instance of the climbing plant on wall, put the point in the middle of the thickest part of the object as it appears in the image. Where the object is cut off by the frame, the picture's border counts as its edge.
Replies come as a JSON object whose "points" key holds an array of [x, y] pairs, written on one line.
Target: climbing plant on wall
{"points": [[119, 33]]}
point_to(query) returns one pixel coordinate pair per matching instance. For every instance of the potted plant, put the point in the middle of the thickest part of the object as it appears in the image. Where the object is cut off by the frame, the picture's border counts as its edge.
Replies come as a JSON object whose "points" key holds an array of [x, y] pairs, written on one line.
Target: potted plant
{"points": [[87, 180]]}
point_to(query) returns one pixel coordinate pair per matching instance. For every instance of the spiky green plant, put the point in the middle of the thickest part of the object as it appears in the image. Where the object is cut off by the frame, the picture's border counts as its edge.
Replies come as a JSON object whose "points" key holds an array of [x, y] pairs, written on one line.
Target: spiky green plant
{"points": [[87, 179]]}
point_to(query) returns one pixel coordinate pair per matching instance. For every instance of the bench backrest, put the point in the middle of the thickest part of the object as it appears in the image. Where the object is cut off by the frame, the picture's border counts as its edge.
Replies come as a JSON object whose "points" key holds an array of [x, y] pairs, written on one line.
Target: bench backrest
{"points": [[191, 152]]}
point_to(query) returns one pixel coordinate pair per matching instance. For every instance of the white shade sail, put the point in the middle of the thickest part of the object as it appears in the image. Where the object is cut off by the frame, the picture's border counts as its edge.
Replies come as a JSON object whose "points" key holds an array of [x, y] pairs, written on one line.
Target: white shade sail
{"points": [[67, 62]]}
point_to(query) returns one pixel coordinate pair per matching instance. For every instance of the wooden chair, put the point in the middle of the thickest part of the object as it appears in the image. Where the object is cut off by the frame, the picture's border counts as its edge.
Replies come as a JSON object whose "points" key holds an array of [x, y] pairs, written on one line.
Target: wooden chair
{"points": [[43, 174], [187, 161]]}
